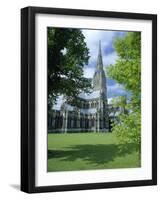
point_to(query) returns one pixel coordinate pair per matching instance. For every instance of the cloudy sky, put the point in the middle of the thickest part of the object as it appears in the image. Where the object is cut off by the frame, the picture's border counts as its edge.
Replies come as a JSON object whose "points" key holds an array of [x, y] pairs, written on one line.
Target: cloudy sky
{"points": [[109, 55]]}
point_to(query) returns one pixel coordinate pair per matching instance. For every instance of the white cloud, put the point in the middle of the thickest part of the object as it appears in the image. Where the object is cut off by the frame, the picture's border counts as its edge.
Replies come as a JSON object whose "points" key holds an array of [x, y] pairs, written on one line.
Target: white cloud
{"points": [[110, 59], [89, 72], [116, 89]]}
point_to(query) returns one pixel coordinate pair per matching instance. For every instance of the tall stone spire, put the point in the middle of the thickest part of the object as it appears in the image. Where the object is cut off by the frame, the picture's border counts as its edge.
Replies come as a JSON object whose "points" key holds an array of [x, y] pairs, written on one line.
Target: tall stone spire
{"points": [[99, 84], [99, 78], [99, 58]]}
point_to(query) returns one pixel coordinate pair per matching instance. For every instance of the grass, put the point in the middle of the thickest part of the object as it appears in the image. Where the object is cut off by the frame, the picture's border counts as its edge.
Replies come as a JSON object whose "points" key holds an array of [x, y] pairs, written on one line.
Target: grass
{"points": [[85, 151]]}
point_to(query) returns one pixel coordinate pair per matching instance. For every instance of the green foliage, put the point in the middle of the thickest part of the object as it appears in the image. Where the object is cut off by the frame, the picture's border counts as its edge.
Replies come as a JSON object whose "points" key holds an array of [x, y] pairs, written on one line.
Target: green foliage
{"points": [[120, 102], [67, 54], [127, 71], [128, 129]]}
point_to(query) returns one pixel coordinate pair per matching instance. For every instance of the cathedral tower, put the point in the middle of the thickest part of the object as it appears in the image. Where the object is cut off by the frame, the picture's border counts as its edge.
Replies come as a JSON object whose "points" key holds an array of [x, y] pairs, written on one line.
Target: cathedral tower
{"points": [[99, 84]]}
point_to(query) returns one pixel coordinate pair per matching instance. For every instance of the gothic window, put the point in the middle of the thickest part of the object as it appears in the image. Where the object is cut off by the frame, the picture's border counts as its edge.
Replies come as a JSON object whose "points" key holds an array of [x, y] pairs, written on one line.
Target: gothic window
{"points": [[92, 122], [68, 122], [92, 104], [75, 122], [81, 122]]}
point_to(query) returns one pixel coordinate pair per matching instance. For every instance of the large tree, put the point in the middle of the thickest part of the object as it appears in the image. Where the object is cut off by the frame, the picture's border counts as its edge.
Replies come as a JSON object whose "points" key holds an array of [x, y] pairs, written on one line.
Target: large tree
{"points": [[67, 54], [127, 71]]}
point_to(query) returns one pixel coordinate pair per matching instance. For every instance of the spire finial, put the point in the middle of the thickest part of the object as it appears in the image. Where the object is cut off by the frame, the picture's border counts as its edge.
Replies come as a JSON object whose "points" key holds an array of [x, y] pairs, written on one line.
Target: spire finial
{"points": [[99, 59], [99, 46]]}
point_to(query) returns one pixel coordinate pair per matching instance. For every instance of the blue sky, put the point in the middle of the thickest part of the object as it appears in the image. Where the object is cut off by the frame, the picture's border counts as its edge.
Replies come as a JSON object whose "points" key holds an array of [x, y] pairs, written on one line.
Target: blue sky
{"points": [[109, 55]]}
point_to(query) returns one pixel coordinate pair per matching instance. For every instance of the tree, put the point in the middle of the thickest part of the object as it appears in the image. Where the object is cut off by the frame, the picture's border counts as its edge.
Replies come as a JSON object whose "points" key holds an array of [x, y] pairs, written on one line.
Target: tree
{"points": [[67, 54], [120, 102], [127, 71]]}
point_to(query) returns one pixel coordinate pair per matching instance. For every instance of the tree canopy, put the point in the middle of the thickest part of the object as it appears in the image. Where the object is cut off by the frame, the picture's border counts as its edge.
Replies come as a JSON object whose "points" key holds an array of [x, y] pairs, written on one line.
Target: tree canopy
{"points": [[127, 71], [67, 54]]}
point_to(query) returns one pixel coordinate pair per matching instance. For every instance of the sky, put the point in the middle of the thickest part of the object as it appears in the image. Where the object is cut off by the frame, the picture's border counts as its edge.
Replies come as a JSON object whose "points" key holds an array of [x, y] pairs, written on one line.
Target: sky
{"points": [[109, 56]]}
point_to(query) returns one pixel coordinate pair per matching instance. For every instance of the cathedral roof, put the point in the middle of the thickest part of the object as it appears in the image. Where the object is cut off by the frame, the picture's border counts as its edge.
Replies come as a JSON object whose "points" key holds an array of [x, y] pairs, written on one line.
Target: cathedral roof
{"points": [[92, 95], [60, 100]]}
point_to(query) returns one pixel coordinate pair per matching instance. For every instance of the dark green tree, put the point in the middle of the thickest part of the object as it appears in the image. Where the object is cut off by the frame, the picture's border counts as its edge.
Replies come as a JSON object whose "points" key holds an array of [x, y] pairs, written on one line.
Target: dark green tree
{"points": [[67, 54], [127, 71]]}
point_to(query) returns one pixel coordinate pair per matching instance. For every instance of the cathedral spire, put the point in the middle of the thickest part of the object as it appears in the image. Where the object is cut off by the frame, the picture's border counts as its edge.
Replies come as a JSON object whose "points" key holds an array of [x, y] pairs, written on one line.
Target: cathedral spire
{"points": [[99, 78], [99, 58]]}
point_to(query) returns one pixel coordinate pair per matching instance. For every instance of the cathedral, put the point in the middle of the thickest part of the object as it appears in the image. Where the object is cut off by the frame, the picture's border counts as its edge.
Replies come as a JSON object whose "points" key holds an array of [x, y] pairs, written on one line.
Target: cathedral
{"points": [[92, 114]]}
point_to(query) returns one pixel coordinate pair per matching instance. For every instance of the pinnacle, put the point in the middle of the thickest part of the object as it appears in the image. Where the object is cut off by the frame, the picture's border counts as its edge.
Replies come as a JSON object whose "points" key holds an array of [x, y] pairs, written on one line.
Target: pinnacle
{"points": [[99, 59]]}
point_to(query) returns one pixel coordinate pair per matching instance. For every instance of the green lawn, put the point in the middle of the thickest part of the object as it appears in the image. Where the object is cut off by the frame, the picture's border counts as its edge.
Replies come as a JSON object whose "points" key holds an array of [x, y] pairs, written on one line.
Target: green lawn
{"points": [[85, 151]]}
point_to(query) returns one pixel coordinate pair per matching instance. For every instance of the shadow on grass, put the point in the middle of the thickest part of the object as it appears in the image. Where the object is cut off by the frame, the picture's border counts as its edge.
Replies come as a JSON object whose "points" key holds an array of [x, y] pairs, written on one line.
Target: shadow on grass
{"points": [[96, 154]]}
